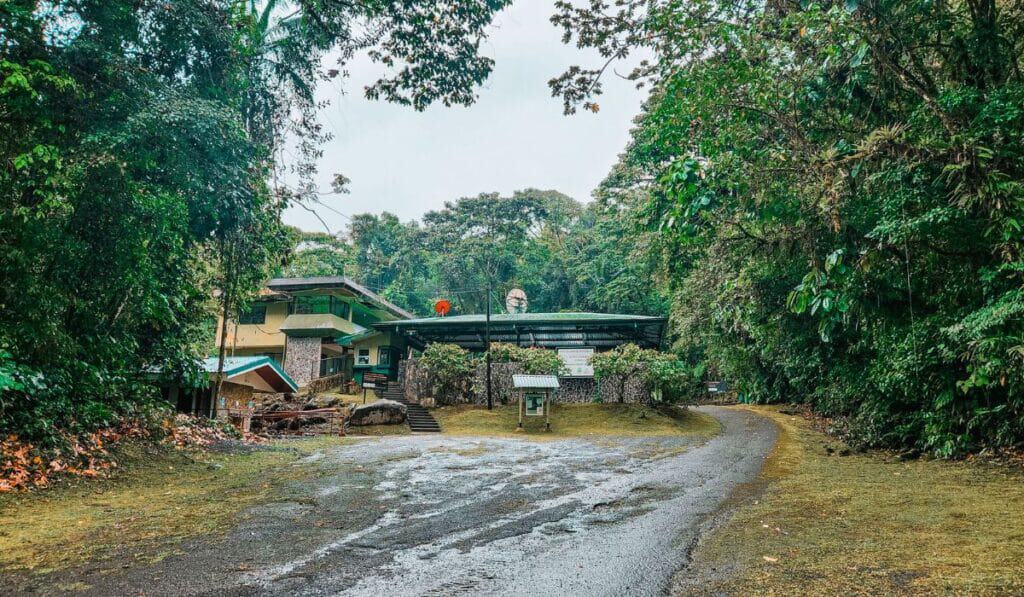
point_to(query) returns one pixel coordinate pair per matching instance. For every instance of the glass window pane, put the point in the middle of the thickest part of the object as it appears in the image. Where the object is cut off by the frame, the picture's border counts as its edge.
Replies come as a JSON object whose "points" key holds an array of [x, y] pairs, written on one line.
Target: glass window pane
{"points": [[256, 314]]}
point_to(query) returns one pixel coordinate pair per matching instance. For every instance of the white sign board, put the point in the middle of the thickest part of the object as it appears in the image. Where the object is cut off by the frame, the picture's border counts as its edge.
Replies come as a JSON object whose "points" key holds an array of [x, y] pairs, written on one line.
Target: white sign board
{"points": [[577, 361]]}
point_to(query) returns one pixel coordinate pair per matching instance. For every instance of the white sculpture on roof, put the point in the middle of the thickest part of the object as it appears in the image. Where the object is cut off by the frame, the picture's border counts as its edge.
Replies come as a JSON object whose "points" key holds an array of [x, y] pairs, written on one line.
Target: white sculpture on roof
{"points": [[515, 301]]}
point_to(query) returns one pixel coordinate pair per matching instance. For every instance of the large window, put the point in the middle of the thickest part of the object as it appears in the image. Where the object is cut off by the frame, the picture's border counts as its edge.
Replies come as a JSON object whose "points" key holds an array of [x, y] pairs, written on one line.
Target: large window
{"points": [[319, 305], [331, 366], [363, 357], [256, 314], [384, 356]]}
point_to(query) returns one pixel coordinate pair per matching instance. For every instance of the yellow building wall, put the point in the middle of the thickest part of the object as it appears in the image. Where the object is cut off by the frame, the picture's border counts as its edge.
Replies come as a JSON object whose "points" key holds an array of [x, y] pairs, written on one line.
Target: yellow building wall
{"points": [[267, 335], [258, 339], [374, 343]]}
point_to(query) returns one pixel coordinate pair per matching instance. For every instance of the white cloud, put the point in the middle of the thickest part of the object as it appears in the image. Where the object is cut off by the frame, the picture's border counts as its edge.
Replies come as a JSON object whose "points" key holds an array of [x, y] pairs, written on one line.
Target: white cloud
{"points": [[513, 137]]}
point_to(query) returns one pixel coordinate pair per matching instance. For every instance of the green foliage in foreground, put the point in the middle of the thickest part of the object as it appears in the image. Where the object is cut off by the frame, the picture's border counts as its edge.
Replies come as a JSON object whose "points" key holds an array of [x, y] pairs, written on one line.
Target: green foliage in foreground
{"points": [[837, 190], [451, 368], [137, 173]]}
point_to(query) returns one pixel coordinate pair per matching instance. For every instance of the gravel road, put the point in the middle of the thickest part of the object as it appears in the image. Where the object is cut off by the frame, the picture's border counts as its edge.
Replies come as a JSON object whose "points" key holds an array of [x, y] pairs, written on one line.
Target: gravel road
{"points": [[436, 515]]}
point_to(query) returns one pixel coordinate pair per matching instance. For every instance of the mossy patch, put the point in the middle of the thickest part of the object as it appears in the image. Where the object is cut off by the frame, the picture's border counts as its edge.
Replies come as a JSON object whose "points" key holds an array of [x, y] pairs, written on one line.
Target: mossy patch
{"points": [[158, 497], [866, 523], [378, 430], [576, 420], [341, 397]]}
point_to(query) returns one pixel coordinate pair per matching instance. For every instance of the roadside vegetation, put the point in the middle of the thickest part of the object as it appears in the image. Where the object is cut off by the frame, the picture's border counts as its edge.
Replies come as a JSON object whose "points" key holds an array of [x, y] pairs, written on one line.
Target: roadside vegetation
{"points": [[158, 497], [833, 192], [576, 420], [828, 520], [823, 195]]}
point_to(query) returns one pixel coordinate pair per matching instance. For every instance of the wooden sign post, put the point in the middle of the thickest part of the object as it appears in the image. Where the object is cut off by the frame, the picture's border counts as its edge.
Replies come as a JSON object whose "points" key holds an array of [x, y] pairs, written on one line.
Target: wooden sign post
{"points": [[372, 381], [535, 397]]}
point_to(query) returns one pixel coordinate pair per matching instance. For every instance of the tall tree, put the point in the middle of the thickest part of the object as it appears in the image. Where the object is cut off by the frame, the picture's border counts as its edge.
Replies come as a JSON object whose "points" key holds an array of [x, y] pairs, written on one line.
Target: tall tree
{"points": [[479, 241]]}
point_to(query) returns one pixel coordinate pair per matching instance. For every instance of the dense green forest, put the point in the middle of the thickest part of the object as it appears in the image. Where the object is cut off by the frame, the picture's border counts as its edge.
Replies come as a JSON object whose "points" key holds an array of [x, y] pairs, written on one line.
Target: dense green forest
{"points": [[837, 192], [565, 255], [826, 197], [139, 172]]}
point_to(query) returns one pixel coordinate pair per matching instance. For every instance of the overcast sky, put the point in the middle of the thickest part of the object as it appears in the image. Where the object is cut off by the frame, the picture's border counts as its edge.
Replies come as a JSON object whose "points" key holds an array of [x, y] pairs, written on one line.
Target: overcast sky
{"points": [[513, 137]]}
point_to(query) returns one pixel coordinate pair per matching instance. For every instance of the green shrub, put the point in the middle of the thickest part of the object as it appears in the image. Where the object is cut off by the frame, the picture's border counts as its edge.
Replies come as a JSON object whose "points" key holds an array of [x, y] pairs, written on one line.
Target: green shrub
{"points": [[535, 361], [670, 379], [449, 368]]}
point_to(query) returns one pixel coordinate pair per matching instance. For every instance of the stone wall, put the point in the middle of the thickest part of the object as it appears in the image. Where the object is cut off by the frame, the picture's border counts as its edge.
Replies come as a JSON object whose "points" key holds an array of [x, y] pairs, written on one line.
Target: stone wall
{"points": [[572, 390], [302, 360], [322, 384], [233, 397], [502, 390]]}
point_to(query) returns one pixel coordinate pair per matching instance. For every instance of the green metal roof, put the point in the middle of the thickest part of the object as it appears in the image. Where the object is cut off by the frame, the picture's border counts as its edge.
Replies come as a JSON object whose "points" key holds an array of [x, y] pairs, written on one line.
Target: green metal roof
{"points": [[342, 283], [238, 365], [533, 318], [535, 382], [356, 337], [546, 330]]}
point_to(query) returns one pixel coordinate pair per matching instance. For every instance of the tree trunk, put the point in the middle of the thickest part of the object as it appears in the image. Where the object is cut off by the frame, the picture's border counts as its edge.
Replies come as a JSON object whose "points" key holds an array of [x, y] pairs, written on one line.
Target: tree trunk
{"points": [[222, 349]]}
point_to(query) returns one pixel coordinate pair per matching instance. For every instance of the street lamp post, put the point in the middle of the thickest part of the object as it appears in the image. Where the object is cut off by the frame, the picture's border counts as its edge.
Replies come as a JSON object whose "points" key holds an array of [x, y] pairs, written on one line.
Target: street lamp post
{"points": [[487, 343]]}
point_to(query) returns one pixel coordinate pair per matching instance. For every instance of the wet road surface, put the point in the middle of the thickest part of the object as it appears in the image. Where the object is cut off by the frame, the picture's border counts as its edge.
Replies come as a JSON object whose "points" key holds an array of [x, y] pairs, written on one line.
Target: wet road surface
{"points": [[435, 515]]}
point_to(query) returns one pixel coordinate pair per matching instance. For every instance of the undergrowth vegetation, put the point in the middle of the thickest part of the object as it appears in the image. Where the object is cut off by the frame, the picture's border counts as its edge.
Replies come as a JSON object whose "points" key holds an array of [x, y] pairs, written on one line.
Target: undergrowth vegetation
{"points": [[25, 465]]}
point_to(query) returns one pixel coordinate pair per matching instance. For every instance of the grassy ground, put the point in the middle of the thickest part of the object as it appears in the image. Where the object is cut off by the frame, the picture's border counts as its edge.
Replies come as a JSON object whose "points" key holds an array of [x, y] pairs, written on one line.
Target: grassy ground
{"points": [[575, 420], [158, 497], [343, 397], [867, 523], [378, 430]]}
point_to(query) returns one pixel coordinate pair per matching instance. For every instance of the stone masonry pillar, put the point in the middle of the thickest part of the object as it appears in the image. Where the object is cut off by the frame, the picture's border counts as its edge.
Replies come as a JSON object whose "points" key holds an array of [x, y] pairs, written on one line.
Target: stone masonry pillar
{"points": [[302, 360]]}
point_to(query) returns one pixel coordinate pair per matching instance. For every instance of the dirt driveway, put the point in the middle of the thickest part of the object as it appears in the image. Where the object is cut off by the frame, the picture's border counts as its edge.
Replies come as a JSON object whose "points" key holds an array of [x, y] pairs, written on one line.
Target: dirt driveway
{"points": [[430, 515]]}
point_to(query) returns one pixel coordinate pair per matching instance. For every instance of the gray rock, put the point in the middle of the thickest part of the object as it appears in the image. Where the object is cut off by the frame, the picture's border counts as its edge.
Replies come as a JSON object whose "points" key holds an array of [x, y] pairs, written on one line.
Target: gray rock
{"points": [[381, 412], [334, 402]]}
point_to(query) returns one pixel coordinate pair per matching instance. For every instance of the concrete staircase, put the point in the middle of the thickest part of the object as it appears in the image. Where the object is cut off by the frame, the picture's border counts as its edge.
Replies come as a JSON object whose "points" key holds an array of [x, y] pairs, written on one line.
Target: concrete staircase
{"points": [[420, 420]]}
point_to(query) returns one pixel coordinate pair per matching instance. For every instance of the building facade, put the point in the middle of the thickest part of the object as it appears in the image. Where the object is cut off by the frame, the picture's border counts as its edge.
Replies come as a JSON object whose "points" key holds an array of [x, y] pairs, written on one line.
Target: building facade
{"points": [[576, 337], [318, 327]]}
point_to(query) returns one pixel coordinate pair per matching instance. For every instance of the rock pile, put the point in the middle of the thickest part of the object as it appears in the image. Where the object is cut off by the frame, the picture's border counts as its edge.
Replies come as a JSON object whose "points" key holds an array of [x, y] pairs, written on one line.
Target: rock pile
{"points": [[295, 403], [381, 412]]}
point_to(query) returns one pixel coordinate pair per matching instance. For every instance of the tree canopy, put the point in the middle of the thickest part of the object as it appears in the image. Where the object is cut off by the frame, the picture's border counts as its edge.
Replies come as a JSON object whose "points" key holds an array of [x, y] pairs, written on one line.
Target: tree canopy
{"points": [[825, 196], [835, 189], [139, 159], [565, 255]]}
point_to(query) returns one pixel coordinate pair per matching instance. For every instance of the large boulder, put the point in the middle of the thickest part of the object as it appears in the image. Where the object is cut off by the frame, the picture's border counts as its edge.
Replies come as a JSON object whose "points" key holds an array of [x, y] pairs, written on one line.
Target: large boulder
{"points": [[381, 412]]}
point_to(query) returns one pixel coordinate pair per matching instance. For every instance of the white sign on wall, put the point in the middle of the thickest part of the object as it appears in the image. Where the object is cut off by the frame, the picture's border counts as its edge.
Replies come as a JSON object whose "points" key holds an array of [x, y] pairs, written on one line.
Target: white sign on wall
{"points": [[577, 361]]}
